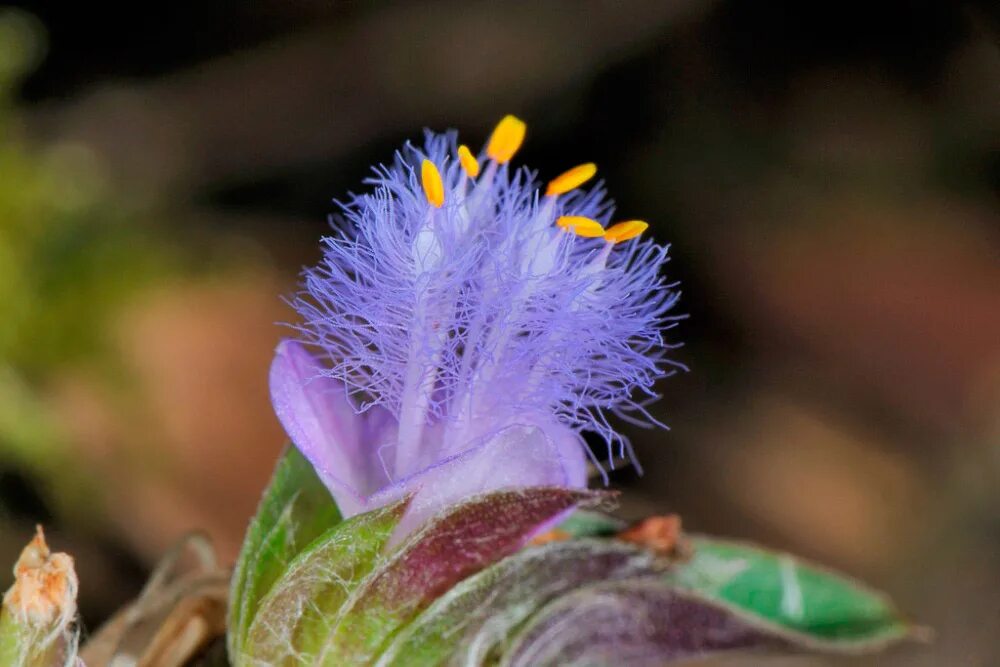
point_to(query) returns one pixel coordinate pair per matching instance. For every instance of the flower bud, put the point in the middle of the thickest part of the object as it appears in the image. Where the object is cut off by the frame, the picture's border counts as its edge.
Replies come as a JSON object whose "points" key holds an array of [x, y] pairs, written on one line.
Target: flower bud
{"points": [[37, 621]]}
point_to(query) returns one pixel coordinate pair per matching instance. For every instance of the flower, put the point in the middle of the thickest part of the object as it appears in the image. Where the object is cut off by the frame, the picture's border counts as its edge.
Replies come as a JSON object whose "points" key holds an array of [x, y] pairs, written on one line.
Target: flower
{"points": [[466, 328]]}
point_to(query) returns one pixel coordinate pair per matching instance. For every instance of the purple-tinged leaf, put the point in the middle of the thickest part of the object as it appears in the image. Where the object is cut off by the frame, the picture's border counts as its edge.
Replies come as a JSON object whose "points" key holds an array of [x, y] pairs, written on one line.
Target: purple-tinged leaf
{"points": [[636, 623], [462, 540], [465, 624]]}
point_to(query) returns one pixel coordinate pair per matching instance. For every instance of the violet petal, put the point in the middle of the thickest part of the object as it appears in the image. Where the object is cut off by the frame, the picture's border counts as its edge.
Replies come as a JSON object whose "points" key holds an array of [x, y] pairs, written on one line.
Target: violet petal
{"points": [[320, 420]]}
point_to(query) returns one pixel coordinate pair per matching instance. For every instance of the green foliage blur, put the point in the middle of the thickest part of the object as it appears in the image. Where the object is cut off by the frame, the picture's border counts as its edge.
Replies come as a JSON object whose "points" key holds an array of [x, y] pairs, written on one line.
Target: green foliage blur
{"points": [[71, 254]]}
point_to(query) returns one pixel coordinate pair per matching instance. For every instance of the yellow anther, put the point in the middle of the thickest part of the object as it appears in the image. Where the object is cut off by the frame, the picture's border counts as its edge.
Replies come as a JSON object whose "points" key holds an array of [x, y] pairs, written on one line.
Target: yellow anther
{"points": [[623, 231], [572, 179], [506, 139], [580, 226], [469, 162], [433, 187]]}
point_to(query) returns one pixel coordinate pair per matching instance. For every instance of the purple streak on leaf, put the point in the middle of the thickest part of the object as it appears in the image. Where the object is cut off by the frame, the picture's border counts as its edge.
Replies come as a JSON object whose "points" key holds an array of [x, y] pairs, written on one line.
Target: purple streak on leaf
{"points": [[456, 544], [636, 623], [470, 620]]}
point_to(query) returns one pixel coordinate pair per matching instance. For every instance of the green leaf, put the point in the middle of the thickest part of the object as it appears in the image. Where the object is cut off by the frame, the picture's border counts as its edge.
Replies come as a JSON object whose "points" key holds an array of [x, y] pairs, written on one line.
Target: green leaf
{"points": [[821, 609], [465, 624], [462, 589], [296, 508], [295, 618], [459, 542]]}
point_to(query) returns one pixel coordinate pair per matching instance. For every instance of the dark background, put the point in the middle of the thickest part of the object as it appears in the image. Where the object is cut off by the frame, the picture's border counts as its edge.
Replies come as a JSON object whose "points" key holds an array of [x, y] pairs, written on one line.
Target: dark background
{"points": [[827, 175]]}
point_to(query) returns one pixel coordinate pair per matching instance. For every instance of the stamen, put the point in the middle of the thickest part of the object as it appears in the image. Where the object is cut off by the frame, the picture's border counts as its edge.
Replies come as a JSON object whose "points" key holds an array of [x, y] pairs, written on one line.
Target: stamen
{"points": [[623, 231], [433, 187], [571, 179], [506, 139], [581, 226], [469, 162]]}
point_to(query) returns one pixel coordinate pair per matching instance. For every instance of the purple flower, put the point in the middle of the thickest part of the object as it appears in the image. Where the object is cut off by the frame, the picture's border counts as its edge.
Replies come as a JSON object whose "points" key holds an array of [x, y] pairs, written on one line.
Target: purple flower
{"points": [[467, 328]]}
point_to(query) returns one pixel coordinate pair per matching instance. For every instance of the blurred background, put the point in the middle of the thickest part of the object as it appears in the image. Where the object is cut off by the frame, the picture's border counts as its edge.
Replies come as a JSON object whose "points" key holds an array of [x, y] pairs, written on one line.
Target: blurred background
{"points": [[828, 176]]}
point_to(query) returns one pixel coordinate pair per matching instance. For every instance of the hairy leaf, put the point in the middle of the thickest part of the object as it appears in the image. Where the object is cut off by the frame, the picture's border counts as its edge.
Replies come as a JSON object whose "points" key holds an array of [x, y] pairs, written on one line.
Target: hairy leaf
{"points": [[294, 510], [464, 590], [465, 624], [304, 604], [636, 623], [459, 542]]}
